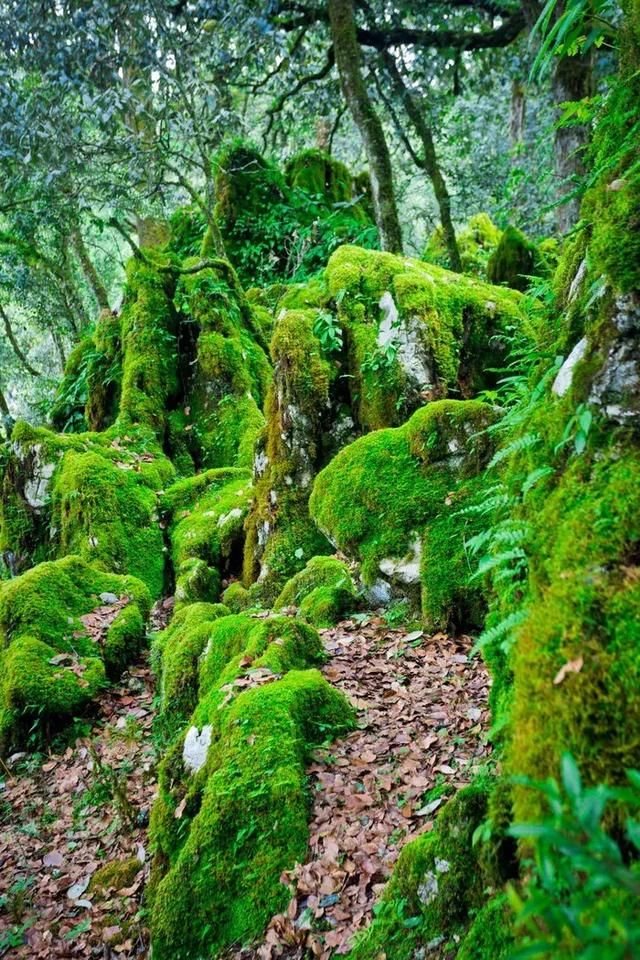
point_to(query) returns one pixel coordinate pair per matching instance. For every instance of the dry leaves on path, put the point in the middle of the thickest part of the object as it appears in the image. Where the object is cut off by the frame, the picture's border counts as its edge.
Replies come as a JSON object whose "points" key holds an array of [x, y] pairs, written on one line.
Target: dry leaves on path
{"points": [[423, 711]]}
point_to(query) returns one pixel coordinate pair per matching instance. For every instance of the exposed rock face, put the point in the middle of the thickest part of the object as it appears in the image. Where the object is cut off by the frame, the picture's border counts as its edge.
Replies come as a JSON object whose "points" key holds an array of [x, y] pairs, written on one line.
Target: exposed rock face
{"points": [[616, 387]]}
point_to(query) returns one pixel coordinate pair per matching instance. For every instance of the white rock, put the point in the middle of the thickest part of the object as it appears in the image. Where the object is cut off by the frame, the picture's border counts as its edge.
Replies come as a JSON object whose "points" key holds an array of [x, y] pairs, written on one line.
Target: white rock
{"points": [[406, 569], [564, 377], [232, 515], [196, 747]]}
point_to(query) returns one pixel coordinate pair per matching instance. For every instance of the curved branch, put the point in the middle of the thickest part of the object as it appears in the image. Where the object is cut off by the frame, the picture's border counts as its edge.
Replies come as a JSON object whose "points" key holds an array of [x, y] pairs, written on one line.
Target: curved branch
{"points": [[320, 74], [11, 337]]}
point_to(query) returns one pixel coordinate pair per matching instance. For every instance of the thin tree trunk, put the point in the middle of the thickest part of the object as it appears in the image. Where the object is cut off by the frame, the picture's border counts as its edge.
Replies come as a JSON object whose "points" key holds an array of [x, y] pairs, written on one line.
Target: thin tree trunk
{"points": [[90, 272], [59, 345], [348, 60], [5, 414], [429, 160], [572, 80], [518, 114], [11, 337]]}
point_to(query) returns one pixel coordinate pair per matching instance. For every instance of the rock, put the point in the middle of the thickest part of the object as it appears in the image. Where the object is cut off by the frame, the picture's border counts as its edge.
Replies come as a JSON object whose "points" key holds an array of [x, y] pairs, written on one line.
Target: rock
{"points": [[107, 597], [564, 377], [196, 747]]}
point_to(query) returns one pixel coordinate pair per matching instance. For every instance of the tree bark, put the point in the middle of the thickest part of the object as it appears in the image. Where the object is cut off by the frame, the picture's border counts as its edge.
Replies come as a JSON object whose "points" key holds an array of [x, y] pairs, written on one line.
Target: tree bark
{"points": [[429, 159], [11, 337], [348, 60], [90, 272], [572, 80], [518, 114]]}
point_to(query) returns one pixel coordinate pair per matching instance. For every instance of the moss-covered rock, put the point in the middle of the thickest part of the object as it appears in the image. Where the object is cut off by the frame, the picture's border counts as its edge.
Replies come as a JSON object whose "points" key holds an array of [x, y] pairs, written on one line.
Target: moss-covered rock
{"points": [[477, 240], [205, 515], [232, 808], [236, 597], [322, 591], [389, 493], [50, 666], [115, 876]]}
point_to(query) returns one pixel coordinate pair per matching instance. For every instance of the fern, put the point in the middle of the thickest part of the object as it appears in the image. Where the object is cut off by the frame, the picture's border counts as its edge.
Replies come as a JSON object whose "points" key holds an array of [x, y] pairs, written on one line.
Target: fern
{"points": [[501, 631], [525, 442]]}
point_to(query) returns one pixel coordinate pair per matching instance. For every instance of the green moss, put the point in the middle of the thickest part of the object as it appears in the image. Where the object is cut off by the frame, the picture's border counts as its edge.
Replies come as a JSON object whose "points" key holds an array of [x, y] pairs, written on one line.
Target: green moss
{"points": [[236, 597], [513, 261], [320, 175], [205, 515], [490, 936], [477, 240], [39, 620], [418, 469], [149, 342], [103, 513], [435, 885], [325, 606], [224, 835], [176, 654], [584, 605], [115, 876], [318, 572]]}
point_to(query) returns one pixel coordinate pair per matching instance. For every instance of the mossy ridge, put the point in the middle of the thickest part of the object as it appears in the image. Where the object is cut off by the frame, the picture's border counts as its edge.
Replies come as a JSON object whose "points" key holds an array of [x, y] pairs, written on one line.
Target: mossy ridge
{"points": [[514, 260], [39, 619], [205, 515], [420, 470], [437, 884], [477, 240], [175, 654], [243, 815], [228, 383]]}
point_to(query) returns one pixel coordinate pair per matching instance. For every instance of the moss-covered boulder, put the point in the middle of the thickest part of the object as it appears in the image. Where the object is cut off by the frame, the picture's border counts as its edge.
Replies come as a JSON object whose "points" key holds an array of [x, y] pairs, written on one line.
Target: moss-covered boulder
{"points": [[392, 500], [51, 663], [205, 516], [232, 808], [322, 592], [90, 494]]}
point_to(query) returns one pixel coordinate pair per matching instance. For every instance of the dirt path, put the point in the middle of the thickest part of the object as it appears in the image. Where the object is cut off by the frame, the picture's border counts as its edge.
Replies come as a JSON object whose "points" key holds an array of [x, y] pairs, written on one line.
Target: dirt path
{"points": [[66, 813], [422, 717]]}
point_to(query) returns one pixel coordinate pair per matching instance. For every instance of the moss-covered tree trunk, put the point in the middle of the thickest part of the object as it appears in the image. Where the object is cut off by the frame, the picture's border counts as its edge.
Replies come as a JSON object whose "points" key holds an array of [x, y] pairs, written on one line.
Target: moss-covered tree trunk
{"points": [[572, 80], [348, 60]]}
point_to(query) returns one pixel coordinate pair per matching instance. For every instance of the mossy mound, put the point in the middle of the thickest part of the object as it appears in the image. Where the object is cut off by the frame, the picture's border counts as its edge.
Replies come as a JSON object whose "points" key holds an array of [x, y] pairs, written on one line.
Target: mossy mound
{"points": [[205, 516], [232, 809], [357, 349], [236, 597], [477, 240], [437, 885], [89, 494], [323, 591], [50, 667], [386, 495]]}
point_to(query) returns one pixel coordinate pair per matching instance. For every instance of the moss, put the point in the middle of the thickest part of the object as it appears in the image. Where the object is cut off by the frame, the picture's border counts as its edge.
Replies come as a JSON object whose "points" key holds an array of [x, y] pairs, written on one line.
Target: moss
{"points": [[435, 885], [224, 835], [490, 936], [103, 513], [124, 639], [176, 654], [420, 470], [149, 342], [115, 876], [236, 597], [477, 240], [513, 261], [205, 515], [320, 175], [318, 572], [325, 606], [228, 381], [584, 606], [39, 620]]}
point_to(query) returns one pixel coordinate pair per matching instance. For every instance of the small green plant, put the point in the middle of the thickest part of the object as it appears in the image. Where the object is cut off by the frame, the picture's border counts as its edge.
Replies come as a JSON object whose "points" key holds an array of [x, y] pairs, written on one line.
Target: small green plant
{"points": [[328, 331], [382, 358], [582, 896]]}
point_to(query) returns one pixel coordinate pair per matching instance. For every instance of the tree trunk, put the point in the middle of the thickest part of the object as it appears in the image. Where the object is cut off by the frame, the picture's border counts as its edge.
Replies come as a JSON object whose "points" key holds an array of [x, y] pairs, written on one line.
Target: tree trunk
{"points": [[6, 419], [518, 115], [90, 272], [429, 160], [11, 337], [348, 60], [572, 80]]}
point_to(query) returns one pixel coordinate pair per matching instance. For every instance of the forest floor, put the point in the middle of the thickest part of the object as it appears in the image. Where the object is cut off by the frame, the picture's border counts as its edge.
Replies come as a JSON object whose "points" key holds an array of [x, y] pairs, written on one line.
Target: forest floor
{"points": [[423, 716]]}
